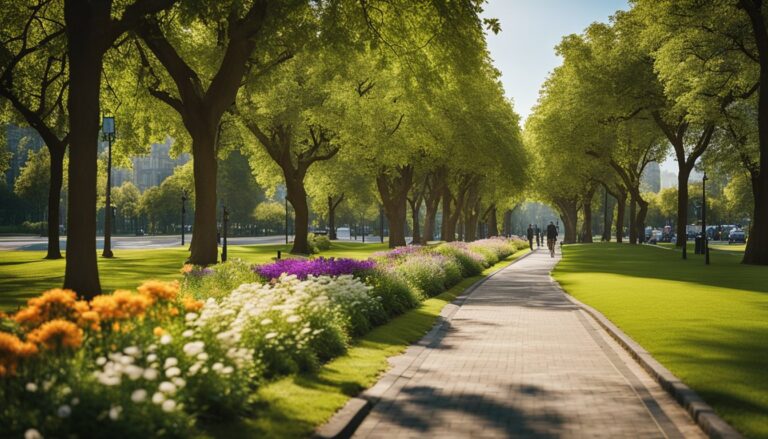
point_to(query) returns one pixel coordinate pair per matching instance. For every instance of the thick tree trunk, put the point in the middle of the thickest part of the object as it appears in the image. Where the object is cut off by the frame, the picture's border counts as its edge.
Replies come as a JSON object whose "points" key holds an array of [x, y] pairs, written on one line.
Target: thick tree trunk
{"points": [[85, 58], [642, 212], [607, 218], [492, 222], [297, 196], [471, 216], [682, 205], [448, 229], [569, 213], [632, 219], [332, 218], [429, 220], [54, 196], [393, 190], [621, 207], [204, 247]]}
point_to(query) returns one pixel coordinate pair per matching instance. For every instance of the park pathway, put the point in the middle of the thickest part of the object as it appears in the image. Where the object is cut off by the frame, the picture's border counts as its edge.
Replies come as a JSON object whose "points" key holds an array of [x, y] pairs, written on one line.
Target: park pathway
{"points": [[518, 359]]}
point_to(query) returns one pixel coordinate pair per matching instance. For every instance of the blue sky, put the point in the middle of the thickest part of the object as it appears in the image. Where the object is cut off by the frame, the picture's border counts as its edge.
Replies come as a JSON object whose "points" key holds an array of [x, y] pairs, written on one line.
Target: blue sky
{"points": [[524, 49]]}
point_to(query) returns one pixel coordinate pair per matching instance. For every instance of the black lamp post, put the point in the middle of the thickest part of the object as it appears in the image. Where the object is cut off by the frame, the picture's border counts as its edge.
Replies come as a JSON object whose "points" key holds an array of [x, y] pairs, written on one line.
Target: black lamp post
{"points": [[108, 134], [225, 222], [705, 243], [286, 220], [183, 211]]}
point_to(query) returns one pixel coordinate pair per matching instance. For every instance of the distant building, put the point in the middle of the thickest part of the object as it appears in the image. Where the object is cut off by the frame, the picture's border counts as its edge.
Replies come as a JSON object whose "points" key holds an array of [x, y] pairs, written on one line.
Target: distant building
{"points": [[151, 170], [650, 181], [668, 179], [20, 141]]}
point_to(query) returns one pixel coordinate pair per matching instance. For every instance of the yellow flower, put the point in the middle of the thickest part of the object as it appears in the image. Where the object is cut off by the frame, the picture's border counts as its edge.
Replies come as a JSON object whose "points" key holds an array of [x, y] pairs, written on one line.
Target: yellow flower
{"points": [[159, 290], [187, 268], [130, 304], [57, 334], [158, 331], [192, 305]]}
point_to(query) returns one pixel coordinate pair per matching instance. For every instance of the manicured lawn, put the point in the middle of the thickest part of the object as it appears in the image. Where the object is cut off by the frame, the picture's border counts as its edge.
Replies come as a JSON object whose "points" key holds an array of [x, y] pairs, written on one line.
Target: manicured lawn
{"points": [[707, 324], [24, 274], [292, 407]]}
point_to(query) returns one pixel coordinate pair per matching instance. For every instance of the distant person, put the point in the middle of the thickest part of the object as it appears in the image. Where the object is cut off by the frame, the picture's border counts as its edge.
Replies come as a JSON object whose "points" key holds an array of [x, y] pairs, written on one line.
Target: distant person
{"points": [[551, 238], [537, 231], [529, 234]]}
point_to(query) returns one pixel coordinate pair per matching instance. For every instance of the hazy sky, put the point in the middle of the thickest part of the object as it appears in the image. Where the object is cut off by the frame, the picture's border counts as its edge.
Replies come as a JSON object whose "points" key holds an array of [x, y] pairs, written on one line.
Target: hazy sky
{"points": [[530, 29]]}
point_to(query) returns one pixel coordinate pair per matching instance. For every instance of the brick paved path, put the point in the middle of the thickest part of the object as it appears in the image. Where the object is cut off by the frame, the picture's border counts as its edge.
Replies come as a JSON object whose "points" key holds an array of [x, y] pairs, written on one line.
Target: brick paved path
{"points": [[518, 359]]}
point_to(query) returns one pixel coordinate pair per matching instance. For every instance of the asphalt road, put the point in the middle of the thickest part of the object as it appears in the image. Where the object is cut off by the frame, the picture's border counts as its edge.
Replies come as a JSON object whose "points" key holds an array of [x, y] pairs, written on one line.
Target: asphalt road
{"points": [[27, 242]]}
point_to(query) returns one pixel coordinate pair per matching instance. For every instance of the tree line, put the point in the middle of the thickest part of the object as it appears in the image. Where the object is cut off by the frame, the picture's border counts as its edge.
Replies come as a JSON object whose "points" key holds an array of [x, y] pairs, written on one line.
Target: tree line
{"points": [[679, 78], [391, 102]]}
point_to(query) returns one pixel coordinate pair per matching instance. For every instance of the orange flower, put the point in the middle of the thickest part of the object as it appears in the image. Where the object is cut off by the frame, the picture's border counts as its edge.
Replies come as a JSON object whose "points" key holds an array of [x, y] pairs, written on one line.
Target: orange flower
{"points": [[52, 304], [29, 316], [105, 306], [57, 334], [173, 311], [192, 305], [158, 331], [131, 305], [159, 290], [11, 350], [187, 268], [89, 319], [3, 315]]}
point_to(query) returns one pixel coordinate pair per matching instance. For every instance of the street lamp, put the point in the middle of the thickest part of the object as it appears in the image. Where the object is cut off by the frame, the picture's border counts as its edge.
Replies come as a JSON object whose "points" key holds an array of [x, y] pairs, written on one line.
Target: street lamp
{"points": [[183, 211], [225, 222], [704, 217], [108, 134], [381, 224], [286, 220]]}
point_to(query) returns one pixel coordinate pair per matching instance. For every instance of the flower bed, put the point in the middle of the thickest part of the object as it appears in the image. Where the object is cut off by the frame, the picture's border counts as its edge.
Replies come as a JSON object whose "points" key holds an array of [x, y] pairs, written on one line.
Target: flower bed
{"points": [[155, 361]]}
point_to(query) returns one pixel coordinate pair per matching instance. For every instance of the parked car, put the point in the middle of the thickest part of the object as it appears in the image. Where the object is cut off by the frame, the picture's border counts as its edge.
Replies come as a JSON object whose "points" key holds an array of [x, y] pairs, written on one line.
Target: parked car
{"points": [[737, 236]]}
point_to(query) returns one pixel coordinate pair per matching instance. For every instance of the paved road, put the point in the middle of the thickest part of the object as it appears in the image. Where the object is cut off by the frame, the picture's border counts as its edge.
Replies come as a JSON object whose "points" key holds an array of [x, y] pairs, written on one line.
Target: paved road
{"points": [[518, 359]]}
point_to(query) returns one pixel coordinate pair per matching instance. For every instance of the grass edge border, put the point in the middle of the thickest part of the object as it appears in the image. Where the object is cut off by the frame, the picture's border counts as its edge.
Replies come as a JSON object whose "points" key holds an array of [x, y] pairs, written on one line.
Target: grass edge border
{"points": [[346, 420]]}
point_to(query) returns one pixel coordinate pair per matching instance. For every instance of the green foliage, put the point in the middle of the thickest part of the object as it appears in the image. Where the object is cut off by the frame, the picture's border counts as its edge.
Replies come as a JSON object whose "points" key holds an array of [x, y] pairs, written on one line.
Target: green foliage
{"points": [[34, 179]]}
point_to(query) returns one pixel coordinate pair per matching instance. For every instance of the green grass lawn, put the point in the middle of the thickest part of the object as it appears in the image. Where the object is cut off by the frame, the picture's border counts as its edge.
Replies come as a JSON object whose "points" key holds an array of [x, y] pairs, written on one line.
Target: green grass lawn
{"points": [[25, 274], [294, 406], [707, 324]]}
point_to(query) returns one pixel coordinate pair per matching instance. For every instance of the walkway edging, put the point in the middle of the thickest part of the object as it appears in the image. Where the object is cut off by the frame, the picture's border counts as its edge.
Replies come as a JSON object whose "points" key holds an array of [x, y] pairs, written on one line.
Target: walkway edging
{"points": [[701, 412], [345, 421]]}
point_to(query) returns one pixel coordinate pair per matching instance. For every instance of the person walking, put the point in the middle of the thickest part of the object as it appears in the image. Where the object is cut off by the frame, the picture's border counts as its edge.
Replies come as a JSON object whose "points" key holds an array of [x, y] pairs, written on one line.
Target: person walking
{"points": [[529, 234], [537, 231], [551, 238]]}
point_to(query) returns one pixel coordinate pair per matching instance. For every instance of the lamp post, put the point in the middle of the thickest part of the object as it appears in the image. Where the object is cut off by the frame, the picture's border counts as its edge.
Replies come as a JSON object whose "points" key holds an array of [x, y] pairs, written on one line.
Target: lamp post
{"points": [[704, 218], [362, 223], [286, 220], [183, 211], [381, 224], [108, 134], [225, 222]]}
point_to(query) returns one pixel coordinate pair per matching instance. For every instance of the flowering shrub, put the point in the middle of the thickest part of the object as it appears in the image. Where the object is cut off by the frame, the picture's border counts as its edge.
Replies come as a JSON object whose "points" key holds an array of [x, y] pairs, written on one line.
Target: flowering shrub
{"points": [[471, 262], [302, 268], [318, 242], [216, 282], [392, 291], [400, 252]]}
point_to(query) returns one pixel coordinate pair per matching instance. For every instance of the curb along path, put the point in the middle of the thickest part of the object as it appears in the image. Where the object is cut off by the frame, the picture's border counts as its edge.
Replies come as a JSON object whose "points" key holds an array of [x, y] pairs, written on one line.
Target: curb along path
{"points": [[518, 359]]}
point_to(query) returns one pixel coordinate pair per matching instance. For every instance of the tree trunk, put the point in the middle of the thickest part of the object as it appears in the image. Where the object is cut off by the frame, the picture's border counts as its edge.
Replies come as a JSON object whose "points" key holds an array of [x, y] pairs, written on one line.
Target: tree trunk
{"points": [[642, 212], [85, 60], [569, 213], [297, 196], [607, 218], [492, 222], [621, 207], [632, 219], [757, 245], [682, 205], [415, 209], [393, 190], [204, 247], [586, 227], [448, 229], [429, 220], [332, 218], [54, 197]]}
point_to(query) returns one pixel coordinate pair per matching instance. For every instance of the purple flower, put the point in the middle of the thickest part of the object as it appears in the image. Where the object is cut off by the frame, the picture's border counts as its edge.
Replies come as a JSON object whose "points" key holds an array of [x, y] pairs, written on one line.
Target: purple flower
{"points": [[400, 252], [315, 267]]}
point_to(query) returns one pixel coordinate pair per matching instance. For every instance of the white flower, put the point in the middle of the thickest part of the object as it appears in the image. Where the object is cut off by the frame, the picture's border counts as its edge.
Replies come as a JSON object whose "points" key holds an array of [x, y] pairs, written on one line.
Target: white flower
{"points": [[194, 348], [166, 339], [170, 362], [133, 351], [75, 401], [32, 434], [64, 411], [266, 322], [133, 372], [190, 316], [173, 372], [203, 357], [169, 405], [114, 412], [150, 374], [179, 382], [31, 387], [151, 358], [101, 361], [188, 333], [227, 370], [217, 367], [167, 387], [139, 395], [293, 319], [195, 369], [158, 398], [270, 335]]}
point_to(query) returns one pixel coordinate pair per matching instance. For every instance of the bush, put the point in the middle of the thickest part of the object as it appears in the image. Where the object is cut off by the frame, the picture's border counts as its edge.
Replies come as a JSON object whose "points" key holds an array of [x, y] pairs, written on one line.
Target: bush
{"points": [[425, 272], [216, 281], [394, 293], [470, 262], [319, 242]]}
